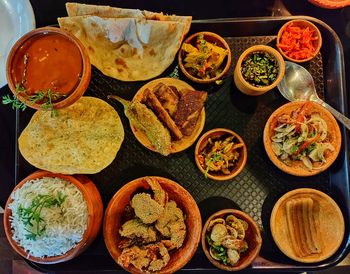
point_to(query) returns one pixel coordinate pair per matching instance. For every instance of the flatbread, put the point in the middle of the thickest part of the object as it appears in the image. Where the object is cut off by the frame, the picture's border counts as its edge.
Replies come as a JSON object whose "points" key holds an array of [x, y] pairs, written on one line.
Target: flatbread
{"points": [[77, 9], [84, 138], [128, 49]]}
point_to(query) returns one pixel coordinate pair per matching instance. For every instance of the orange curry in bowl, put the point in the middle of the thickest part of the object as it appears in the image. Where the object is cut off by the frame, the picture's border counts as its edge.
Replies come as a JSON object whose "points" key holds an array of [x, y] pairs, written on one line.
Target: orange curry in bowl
{"points": [[46, 66]]}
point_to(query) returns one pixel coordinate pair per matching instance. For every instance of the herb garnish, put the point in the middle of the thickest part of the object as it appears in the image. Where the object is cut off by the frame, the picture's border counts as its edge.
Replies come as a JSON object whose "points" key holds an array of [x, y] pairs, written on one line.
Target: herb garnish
{"points": [[260, 69], [31, 216], [47, 97]]}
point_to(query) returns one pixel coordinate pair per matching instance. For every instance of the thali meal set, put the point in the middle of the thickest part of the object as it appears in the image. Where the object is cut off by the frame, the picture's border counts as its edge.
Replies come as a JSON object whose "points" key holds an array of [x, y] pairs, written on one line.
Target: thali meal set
{"points": [[152, 223]]}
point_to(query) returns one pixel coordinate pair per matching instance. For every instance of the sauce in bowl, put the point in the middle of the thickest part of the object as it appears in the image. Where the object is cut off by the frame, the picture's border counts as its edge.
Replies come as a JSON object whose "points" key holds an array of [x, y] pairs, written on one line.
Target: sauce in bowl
{"points": [[48, 69], [48, 61]]}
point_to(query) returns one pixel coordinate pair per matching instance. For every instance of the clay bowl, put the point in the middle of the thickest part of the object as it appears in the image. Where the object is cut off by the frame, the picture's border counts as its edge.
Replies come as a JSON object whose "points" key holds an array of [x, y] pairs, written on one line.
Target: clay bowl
{"points": [[211, 38], [56, 67], [253, 238], [329, 226], [330, 4], [178, 145], [249, 89], [302, 24], [113, 221], [297, 168], [95, 214], [217, 133]]}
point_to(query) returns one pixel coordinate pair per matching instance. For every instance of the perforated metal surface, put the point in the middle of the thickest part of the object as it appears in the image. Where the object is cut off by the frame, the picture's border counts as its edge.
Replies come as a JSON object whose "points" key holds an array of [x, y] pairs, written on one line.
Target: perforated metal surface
{"points": [[254, 191]]}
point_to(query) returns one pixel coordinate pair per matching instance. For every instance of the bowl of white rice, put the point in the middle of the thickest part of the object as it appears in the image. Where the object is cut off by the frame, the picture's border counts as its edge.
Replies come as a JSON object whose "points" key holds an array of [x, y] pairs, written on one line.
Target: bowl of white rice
{"points": [[51, 218]]}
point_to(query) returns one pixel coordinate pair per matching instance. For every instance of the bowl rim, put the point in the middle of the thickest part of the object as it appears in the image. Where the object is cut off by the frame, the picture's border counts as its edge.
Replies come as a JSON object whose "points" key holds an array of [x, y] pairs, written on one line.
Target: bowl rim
{"points": [[217, 77], [85, 72], [70, 254], [255, 48], [305, 22], [223, 130], [240, 214], [135, 183], [290, 170]]}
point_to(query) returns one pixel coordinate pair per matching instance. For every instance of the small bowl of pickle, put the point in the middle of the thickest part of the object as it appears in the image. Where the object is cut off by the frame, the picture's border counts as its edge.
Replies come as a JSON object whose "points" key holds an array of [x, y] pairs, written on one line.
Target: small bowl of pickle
{"points": [[220, 154], [231, 239]]}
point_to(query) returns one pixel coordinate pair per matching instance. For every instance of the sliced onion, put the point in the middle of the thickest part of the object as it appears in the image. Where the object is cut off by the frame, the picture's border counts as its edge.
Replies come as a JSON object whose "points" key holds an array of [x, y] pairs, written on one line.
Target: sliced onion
{"points": [[306, 161], [276, 148]]}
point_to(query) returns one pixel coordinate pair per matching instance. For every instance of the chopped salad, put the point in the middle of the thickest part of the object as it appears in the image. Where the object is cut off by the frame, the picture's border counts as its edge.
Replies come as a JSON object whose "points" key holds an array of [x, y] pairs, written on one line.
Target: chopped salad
{"points": [[301, 135]]}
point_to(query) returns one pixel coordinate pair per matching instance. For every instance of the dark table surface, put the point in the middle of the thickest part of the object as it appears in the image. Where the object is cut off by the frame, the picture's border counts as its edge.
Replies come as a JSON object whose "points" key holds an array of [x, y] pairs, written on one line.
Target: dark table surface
{"points": [[47, 11]]}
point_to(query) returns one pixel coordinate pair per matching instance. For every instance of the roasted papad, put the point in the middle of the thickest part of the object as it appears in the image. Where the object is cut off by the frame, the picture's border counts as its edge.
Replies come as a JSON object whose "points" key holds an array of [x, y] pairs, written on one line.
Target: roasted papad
{"points": [[83, 138]]}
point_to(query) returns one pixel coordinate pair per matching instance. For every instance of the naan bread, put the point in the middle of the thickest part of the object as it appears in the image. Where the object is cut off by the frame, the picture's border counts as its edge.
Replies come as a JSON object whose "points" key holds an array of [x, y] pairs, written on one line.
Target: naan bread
{"points": [[84, 138], [127, 49], [77, 9]]}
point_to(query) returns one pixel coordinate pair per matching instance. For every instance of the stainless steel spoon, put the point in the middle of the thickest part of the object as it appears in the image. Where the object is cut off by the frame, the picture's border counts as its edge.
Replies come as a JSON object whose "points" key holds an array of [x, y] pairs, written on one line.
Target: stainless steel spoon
{"points": [[298, 85]]}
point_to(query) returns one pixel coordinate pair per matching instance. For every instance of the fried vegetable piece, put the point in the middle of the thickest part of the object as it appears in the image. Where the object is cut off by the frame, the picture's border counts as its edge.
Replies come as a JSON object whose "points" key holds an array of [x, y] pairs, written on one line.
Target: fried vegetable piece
{"points": [[168, 96], [136, 229], [160, 196], [152, 257], [152, 102], [145, 120], [172, 224], [147, 209], [188, 110]]}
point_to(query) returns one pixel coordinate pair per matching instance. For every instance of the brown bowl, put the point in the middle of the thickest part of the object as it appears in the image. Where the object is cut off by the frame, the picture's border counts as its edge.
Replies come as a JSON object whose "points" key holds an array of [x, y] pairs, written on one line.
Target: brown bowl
{"points": [[303, 24], [253, 238], [245, 86], [330, 225], [215, 133], [176, 145], [184, 200], [95, 214], [54, 74], [211, 38], [297, 168], [330, 4]]}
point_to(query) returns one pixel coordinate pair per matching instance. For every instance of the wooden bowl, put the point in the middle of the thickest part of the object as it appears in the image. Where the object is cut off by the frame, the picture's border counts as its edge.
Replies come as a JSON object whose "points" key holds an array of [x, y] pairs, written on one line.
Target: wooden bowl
{"points": [[298, 168], [215, 133], [246, 87], [253, 238], [95, 214], [186, 141], [303, 24], [330, 224], [30, 44], [211, 38], [184, 200]]}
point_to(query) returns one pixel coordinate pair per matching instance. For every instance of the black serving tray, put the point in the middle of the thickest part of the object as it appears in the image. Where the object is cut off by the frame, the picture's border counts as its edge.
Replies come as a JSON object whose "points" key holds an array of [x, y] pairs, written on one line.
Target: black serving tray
{"points": [[259, 186]]}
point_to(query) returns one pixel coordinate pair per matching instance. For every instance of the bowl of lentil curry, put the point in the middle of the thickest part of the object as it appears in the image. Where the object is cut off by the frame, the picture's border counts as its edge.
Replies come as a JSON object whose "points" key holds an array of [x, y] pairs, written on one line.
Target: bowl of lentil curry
{"points": [[259, 69], [220, 154]]}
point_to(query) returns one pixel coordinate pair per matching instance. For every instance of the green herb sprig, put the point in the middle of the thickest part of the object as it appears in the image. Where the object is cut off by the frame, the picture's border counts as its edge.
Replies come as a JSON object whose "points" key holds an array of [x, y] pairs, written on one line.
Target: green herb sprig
{"points": [[31, 216]]}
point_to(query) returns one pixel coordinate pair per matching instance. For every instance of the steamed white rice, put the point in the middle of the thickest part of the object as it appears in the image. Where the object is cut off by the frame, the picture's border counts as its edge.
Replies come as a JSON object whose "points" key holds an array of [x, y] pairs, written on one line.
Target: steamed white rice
{"points": [[65, 224]]}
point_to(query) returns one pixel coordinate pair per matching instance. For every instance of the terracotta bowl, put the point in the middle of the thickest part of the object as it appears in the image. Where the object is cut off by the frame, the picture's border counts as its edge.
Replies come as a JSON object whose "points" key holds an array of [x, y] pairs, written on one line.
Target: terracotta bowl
{"points": [[95, 214], [253, 238], [330, 4], [246, 87], [303, 24], [215, 133], [298, 168], [176, 145], [329, 225], [184, 200], [211, 38], [31, 39]]}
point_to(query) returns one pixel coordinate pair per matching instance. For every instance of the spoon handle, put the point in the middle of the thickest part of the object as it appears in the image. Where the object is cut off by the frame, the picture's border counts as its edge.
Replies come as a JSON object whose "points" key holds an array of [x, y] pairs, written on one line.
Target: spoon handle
{"points": [[341, 118]]}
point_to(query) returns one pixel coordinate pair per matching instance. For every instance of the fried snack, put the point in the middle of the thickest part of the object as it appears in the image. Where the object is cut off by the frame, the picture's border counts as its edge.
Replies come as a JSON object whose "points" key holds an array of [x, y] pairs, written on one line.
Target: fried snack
{"points": [[145, 120], [83, 138], [168, 96], [146, 208], [135, 228], [152, 102], [302, 227], [188, 110]]}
